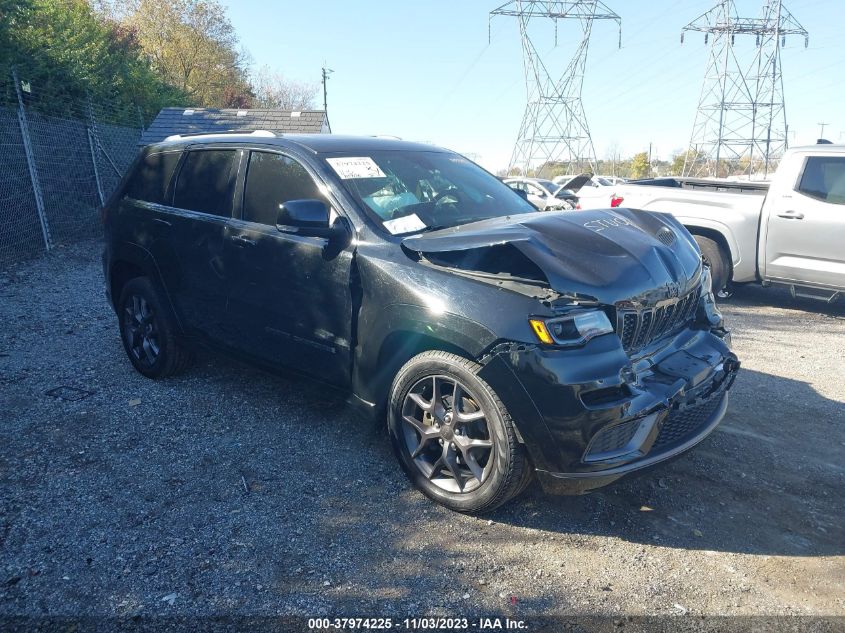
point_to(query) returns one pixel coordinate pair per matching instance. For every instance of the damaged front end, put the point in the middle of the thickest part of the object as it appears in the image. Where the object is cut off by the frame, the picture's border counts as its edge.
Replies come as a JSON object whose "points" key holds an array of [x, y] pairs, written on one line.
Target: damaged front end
{"points": [[629, 363]]}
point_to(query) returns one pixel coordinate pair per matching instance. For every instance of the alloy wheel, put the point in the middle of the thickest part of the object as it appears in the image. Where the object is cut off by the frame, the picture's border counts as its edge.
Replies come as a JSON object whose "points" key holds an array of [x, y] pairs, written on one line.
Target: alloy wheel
{"points": [[140, 330], [446, 434]]}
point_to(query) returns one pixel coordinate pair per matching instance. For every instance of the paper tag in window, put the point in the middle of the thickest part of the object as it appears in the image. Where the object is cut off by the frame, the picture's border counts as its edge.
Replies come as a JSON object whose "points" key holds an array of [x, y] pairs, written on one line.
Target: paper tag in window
{"points": [[404, 224], [348, 167]]}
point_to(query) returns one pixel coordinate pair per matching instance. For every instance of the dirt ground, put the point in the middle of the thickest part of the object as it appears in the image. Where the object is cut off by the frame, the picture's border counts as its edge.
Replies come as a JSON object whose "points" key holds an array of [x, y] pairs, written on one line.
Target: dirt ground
{"points": [[232, 491]]}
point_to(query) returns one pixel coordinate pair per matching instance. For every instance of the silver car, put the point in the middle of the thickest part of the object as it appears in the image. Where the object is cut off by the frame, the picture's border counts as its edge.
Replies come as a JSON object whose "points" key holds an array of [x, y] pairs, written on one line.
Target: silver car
{"points": [[543, 194]]}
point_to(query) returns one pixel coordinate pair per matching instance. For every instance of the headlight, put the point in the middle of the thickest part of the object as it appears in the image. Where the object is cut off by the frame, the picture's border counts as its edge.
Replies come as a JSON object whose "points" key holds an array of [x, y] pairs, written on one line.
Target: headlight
{"points": [[573, 329]]}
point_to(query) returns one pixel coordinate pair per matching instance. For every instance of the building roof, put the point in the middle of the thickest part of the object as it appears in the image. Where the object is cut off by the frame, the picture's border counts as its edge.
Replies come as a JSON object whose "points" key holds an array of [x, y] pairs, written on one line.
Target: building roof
{"points": [[172, 121]]}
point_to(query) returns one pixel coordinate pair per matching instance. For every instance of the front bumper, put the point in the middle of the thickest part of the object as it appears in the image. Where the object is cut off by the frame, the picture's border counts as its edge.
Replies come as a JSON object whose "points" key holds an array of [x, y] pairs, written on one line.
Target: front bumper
{"points": [[589, 416]]}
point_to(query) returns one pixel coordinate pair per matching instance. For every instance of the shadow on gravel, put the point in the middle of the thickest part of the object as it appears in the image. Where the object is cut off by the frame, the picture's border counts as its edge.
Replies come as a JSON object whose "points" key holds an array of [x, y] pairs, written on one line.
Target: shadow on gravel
{"points": [[768, 481], [779, 297]]}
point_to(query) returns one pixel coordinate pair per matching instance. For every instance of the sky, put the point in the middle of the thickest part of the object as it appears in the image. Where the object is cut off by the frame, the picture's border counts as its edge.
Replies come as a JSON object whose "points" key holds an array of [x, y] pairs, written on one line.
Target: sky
{"points": [[423, 70]]}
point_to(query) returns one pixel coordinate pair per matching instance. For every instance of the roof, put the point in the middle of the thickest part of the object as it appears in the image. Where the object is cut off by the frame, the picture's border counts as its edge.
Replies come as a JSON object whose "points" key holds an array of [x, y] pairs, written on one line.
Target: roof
{"points": [[820, 148], [172, 121], [316, 143]]}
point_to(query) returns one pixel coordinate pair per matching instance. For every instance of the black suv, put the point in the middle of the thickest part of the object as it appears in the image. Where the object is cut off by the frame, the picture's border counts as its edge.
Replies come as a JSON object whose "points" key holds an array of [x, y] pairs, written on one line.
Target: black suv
{"points": [[496, 342]]}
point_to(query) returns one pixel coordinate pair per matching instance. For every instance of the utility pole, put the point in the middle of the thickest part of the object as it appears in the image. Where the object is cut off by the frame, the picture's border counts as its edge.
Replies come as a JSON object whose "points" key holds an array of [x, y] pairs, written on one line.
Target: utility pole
{"points": [[554, 127], [821, 131], [326, 73], [741, 111], [649, 159]]}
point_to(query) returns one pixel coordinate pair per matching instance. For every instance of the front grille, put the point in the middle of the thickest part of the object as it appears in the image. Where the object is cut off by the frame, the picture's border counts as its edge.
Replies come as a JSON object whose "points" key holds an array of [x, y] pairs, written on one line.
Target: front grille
{"points": [[638, 328], [681, 424]]}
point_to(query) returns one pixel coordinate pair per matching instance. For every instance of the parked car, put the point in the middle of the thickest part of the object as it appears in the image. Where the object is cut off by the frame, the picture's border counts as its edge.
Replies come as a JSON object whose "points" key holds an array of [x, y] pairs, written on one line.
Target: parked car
{"points": [[788, 231], [612, 180], [579, 182], [543, 194], [495, 343]]}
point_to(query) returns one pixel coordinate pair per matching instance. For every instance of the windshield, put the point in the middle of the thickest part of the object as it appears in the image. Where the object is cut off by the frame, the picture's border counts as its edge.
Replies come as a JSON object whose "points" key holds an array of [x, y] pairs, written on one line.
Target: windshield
{"points": [[549, 186], [410, 191]]}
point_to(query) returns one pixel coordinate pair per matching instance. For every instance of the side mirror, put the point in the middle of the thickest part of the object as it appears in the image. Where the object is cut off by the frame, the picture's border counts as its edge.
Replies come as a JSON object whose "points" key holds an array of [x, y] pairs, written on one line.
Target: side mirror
{"points": [[302, 216]]}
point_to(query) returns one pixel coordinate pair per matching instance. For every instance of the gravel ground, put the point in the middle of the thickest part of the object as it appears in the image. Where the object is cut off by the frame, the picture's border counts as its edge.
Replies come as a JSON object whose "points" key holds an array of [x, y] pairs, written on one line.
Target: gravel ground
{"points": [[232, 491]]}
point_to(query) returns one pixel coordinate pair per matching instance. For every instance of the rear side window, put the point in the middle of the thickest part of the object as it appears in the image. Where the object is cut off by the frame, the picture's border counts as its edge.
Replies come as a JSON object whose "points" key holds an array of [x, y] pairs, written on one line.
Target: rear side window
{"points": [[152, 176], [272, 180], [206, 182], [824, 179]]}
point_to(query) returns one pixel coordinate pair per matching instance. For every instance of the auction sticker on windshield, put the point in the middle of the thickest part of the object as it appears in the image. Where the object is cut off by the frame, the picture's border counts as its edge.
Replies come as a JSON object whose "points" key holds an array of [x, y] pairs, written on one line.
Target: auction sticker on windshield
{"points": [[405, 224], [348, 167]]}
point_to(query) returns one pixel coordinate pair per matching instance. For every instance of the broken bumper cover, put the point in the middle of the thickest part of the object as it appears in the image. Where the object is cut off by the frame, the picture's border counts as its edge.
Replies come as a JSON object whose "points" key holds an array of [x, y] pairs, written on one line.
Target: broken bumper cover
{"points": [[591, 416]]}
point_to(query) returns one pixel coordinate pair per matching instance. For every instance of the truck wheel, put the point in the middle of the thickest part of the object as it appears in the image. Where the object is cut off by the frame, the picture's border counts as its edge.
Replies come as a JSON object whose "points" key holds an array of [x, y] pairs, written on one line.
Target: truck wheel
{"points": [[149, 332], [453, 436], [717, 259]]}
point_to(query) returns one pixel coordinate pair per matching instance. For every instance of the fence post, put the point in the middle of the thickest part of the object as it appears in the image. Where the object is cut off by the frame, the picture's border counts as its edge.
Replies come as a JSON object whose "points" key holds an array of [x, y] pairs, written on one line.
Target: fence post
{"points": [[30, 161], [90, 128]]}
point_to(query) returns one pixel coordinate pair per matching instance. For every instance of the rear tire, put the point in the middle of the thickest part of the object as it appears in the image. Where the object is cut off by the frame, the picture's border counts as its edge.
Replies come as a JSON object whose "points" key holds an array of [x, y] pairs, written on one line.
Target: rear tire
{"points": [[496, 468], [718, 260], [149, 332]]}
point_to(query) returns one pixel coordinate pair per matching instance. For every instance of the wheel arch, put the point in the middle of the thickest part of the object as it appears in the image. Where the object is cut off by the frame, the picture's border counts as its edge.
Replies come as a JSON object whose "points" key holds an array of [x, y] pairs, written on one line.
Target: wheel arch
{"points": [[719, 238], [397, 334], [130, 261]]}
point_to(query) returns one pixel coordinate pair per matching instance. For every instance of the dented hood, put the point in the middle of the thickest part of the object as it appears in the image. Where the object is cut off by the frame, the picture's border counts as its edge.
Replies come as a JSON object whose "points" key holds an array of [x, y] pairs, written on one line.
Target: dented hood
{"points": [[618, 255]]}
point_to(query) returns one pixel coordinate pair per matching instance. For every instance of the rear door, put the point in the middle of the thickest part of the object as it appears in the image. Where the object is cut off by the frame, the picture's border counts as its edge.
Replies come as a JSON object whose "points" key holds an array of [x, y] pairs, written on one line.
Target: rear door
{"points": [[144, 209], [806, 225], [202, 207], [289, 294]]}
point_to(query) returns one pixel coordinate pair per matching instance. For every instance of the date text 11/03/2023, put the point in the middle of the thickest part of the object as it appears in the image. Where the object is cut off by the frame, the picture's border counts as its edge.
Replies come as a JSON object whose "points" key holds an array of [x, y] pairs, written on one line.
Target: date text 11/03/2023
{"points": [[416, 624]]}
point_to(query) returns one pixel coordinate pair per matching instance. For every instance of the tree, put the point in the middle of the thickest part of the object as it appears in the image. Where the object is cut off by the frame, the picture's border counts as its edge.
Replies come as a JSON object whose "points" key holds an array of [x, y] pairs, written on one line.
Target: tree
{"points": [[639, 166], [193, 45], [70, 55], [272, 90]]}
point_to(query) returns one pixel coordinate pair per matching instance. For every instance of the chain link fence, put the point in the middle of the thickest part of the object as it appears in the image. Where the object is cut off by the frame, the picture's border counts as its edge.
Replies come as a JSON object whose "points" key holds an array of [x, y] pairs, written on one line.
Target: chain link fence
{"points": [[58, 163]]}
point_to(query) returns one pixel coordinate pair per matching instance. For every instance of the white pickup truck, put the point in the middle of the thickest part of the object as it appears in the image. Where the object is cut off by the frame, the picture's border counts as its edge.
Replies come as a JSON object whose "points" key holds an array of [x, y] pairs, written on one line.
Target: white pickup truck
{"points": [[789, 231]]}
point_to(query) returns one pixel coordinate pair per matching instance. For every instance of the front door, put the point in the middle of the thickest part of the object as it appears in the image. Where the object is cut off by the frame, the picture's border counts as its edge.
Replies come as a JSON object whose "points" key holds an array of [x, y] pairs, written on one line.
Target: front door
{"points": [[290, 293], [806, 226]]}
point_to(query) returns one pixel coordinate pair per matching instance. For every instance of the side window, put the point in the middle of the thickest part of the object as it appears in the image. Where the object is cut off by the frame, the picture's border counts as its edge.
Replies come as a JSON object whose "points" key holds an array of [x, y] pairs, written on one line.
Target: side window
{"points": [[272, 180], [824, 179], [152, 176], [206, 182]]}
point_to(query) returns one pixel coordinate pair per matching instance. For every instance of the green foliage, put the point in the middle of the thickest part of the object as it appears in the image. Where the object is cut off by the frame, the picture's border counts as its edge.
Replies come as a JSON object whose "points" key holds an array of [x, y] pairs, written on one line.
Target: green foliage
{"points": [[66, 52], [640, 167]]}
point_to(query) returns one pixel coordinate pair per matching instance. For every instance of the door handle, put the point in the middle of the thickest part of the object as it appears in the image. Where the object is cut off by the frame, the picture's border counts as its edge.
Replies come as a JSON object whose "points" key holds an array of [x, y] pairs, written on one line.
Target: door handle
{"points": [[160, 221], [240, 240], [791, 215]]}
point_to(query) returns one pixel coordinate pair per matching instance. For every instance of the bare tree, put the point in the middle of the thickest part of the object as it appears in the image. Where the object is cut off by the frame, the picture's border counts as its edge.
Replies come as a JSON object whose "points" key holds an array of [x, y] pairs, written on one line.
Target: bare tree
{"points": [[272, 90]]}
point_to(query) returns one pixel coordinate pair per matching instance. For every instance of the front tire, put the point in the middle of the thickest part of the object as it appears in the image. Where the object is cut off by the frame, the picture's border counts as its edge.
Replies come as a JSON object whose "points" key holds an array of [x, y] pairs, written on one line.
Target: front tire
{"points": [[149, 332], [453, 436], [718, 260]]}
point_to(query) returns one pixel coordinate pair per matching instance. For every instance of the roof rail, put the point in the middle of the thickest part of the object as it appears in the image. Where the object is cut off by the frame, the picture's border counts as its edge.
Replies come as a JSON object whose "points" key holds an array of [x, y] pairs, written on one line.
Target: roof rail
{"points": [[261, 133]]}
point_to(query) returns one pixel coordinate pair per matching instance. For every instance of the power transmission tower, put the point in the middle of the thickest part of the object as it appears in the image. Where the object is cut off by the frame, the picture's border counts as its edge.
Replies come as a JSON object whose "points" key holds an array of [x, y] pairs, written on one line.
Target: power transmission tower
{"points": [[741, 125], [554, 127]]}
